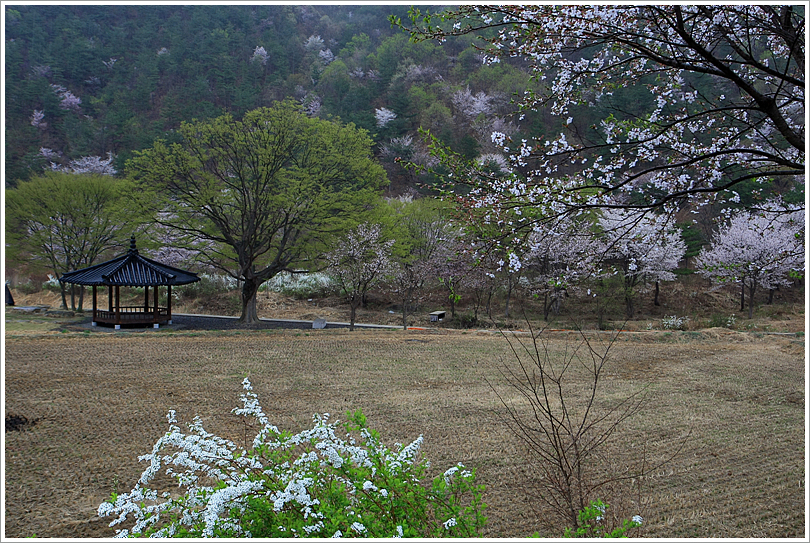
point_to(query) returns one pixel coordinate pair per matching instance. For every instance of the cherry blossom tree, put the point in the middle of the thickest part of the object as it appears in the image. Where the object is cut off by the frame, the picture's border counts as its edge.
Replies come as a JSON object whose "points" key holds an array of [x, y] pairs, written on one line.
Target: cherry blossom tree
{"points": [[471, 105], [755, 249], [37, 119], [259, 55], [68, 100], [384, 116], [724, 103], [360, 260], [561, 255], [326, 56], [644, 247], [455, 262]]}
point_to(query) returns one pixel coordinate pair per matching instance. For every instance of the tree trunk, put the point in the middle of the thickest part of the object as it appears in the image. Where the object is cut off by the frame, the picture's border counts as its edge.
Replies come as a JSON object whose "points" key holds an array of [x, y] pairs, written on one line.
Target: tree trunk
{"points": [[249, 289], [355, 303], [405, 300], [742, 297], [508, 297], [656, 302], [72, 296], [770, 295], [81, 298], [404, 316], [751, 291], [64, 296]]}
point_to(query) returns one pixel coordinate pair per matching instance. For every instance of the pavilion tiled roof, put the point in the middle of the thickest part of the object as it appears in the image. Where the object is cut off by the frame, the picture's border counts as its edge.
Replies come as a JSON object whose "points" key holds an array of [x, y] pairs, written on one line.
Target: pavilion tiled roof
{"points": [[130, 270]]}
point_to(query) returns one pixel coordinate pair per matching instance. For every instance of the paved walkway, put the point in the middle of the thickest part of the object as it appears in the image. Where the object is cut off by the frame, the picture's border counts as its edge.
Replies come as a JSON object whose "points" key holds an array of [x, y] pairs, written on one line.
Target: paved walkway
{"points": [[188, 321]]}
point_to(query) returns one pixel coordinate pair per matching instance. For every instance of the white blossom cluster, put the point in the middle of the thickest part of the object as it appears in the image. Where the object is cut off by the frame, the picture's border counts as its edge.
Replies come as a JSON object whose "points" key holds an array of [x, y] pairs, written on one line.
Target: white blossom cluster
{"points": [[313, 43], [647, 245], [326, 56], [361, 258], [472, 105], [312, 104], [37, 119]]}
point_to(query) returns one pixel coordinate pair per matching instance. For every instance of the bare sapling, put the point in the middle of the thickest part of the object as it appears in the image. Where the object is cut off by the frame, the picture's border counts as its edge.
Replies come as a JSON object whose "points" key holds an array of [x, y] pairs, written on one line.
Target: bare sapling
{"points": [[566, 416]]}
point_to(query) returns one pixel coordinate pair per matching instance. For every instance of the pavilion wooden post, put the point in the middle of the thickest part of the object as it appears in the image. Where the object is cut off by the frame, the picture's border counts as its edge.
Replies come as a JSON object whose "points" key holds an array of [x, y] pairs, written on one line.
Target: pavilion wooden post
{"points": [[146, 299], [110, 298], [157, 310], [94, 304], [169, 303], [117, 304]]}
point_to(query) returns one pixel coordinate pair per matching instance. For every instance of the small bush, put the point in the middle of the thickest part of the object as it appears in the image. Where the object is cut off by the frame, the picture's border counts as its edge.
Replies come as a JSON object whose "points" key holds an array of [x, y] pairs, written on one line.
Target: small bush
{"points": [[466, 320], [674, 322], [592, 523], [52, 284], [28, 287], [312, 484], [721, 321]]}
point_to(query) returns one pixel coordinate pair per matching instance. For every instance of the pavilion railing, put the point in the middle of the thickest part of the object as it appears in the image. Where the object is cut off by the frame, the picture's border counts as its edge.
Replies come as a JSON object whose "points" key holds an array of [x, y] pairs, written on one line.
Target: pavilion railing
{"points": [[132, 314]]}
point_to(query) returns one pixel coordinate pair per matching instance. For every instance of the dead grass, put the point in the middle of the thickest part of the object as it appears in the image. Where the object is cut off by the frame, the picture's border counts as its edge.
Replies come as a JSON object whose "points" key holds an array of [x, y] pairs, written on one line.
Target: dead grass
{"points": [[99, 400]]}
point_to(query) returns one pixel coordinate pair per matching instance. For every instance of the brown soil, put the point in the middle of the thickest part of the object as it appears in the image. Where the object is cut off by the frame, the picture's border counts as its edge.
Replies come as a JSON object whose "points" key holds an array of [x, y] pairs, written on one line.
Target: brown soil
{"points": [[86, 404]]}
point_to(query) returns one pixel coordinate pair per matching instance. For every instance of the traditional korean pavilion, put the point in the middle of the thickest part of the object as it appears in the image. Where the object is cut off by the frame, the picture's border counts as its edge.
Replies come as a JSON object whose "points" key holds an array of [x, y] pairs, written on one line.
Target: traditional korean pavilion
{"points": [[131, 270]]}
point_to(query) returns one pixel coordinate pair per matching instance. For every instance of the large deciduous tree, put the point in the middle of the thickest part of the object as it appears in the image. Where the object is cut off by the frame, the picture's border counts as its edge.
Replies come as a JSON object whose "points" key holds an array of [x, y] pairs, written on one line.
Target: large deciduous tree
{"points": [[69, 220], [718, 100], [263, 194], [755, 249]]}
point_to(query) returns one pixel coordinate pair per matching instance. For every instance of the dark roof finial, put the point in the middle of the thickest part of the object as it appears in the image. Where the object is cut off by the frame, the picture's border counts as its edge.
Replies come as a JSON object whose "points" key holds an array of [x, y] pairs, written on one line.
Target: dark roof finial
{"points": [[132, 248]]}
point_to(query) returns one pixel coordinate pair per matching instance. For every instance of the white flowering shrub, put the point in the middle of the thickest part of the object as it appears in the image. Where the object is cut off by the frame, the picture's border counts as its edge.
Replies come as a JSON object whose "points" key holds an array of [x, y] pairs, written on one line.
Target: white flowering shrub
{"points": [[310, 484], [300, 285], [674, 322]]}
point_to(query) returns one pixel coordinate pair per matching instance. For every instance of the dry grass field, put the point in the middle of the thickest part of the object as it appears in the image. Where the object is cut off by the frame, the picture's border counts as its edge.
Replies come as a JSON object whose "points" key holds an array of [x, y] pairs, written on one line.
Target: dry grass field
{"points": [[94, 401]]}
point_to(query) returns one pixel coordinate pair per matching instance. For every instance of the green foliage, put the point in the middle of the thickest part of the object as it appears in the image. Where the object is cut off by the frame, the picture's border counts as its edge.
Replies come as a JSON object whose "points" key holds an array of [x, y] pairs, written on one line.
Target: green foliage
{"points": [[721, 321], [67, 221], [591, 523]]}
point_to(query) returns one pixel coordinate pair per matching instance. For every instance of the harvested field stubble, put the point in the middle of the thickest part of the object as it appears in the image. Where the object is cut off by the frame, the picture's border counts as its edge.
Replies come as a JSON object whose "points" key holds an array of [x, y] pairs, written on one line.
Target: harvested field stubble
{"points": [[99, 400]]}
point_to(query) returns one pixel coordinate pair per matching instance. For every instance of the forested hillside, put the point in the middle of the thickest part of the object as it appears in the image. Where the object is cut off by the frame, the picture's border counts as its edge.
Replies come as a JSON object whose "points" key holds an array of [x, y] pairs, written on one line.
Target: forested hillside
{"points": [[87, 81]]}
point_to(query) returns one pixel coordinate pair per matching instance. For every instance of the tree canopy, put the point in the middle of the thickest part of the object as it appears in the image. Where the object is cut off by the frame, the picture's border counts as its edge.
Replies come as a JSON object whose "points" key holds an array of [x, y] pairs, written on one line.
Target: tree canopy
{"points": [[263, 194]]}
